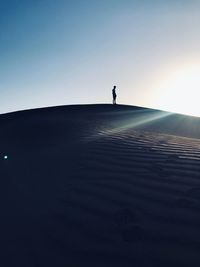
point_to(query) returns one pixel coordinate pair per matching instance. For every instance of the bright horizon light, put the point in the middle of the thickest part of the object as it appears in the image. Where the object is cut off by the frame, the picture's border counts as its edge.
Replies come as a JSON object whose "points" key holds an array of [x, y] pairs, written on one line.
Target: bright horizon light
{"points": [[180, 91]]}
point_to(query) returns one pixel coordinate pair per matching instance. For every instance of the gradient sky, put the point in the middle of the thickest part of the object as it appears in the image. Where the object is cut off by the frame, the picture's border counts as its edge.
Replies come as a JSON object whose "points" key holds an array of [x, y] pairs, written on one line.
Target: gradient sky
{"points": [[73, 51]]}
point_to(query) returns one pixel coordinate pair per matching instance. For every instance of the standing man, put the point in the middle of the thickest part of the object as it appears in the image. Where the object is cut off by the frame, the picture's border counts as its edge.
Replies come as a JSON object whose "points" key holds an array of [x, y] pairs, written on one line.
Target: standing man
{"points": [[114, 95]]}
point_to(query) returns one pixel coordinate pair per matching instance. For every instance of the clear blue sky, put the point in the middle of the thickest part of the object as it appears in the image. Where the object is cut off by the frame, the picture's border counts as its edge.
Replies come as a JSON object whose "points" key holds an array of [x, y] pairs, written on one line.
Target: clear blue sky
{"points": [[55, 52]]}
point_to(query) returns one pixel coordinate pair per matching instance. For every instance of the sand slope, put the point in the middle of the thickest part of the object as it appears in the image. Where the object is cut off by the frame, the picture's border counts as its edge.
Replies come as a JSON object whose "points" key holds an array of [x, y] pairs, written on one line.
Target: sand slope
{"points": [[99, 185]]}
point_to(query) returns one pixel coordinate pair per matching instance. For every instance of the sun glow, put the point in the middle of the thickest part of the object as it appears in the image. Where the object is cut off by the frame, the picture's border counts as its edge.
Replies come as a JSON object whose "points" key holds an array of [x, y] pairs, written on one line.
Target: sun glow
{"points": [[181, 92]]}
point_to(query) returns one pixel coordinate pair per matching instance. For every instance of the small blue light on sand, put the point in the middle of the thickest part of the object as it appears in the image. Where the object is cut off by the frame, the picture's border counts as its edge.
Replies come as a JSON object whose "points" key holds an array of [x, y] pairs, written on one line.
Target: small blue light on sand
{"points": [[5, 157]]}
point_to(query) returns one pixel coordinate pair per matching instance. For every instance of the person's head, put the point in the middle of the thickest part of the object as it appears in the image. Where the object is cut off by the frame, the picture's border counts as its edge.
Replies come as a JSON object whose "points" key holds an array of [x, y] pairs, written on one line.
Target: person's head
{"points": [[114, 87]]}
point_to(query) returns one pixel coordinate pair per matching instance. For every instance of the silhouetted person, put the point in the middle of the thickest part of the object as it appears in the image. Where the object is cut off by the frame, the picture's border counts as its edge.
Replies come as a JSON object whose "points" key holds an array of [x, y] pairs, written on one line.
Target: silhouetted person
{"points": [[114, 95]]}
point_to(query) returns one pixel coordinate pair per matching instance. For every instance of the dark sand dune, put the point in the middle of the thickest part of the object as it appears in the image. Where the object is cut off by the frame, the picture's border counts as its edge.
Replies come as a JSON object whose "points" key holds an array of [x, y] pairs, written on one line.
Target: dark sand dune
{"points": [[99, 185]]}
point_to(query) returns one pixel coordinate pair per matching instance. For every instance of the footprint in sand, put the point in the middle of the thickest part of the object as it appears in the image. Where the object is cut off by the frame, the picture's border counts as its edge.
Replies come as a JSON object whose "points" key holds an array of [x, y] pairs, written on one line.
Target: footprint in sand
{"points": [[127, 222], [125, 216]]}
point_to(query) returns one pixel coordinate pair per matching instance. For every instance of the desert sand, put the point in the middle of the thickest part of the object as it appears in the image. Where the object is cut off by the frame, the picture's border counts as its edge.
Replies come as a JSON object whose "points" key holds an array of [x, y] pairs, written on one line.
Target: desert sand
{"points": [[99, 185]]}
